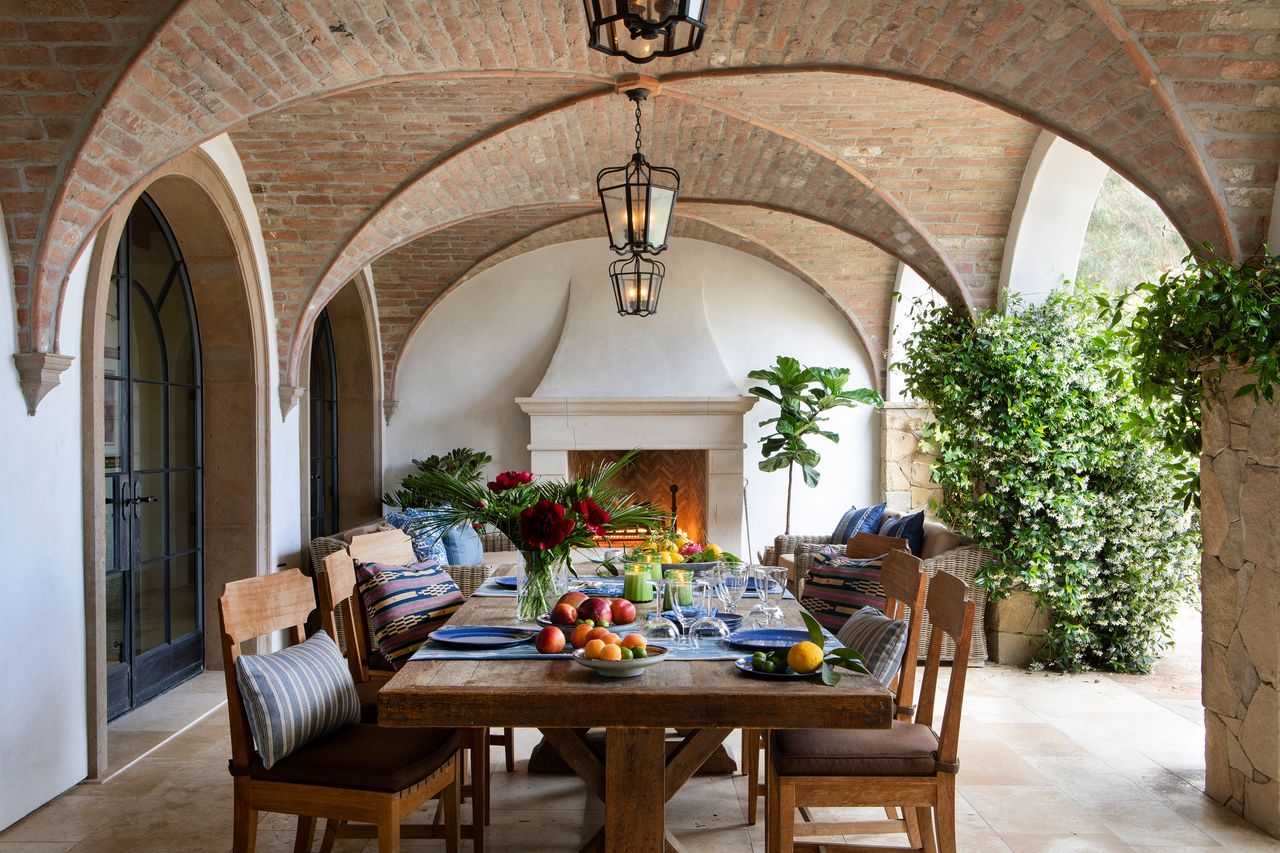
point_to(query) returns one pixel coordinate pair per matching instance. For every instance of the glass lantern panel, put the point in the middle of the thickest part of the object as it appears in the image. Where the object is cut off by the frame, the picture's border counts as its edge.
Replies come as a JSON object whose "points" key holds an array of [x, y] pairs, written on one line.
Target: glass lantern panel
{"points": [[615, 213], [661, 202]]}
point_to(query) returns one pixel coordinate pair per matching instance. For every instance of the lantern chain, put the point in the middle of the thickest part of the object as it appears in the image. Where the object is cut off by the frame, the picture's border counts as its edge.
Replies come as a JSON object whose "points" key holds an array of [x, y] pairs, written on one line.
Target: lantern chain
{"points": [[637, 127]]}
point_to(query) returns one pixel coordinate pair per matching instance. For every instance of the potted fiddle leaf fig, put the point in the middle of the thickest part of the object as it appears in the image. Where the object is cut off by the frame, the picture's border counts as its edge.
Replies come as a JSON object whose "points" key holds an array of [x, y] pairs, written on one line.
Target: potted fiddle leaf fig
{"points": [[805, 396]]}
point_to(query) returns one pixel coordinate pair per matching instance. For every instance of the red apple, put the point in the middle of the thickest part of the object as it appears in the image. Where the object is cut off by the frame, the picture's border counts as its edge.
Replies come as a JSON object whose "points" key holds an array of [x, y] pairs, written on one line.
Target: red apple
{"points": [[596, 609], [574, 599], [549, 641], [623, 611], [563, 614]]}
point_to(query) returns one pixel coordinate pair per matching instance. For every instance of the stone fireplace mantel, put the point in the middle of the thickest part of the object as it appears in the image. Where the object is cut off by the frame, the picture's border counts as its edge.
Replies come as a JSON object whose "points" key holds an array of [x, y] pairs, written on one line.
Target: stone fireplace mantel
{"points": [[558, 425]]}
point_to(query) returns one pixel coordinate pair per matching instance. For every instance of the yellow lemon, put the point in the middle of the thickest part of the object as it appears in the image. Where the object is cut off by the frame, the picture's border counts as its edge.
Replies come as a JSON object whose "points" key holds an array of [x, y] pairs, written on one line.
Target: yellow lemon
{"points": [[676, 557], [805, 657], [666, 556], [714, 549]]}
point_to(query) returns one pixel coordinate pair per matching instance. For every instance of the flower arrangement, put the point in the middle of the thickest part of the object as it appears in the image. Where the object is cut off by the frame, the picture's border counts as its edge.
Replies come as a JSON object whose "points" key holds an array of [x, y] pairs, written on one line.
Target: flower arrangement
{"points": [[545, 519]]}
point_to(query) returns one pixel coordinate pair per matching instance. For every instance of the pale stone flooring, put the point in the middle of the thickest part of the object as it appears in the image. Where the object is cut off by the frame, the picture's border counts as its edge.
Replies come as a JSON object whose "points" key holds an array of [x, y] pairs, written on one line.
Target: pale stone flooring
{"points": [[1048, 763]]}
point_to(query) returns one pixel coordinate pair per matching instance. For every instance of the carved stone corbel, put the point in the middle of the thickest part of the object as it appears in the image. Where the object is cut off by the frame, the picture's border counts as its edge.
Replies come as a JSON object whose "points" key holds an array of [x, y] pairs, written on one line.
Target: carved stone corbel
{"points": [[389, 407], [38, 374], [289, 397]]}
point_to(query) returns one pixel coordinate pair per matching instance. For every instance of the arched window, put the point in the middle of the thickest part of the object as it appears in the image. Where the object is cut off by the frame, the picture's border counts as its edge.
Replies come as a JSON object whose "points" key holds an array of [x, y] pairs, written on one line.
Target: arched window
{"points": [[323, 393]]}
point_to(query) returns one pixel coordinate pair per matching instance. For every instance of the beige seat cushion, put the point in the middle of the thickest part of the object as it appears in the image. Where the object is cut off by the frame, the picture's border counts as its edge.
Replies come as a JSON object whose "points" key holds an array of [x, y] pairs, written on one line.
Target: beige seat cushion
{"points": [[906, 749], [939, 539]]}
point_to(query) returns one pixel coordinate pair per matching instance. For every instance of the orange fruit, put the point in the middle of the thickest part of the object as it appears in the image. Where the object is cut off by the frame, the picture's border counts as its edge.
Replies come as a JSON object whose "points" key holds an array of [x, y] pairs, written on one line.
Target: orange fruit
{"points": [[597, 633], [593, 648], [611, 652], [805, 657], [632, 640], [578, 638], [611, 639]]}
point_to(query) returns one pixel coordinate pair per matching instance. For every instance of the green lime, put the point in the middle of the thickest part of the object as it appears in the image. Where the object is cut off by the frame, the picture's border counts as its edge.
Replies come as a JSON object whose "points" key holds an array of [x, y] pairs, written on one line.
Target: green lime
{"points": [[627, 654], [637, 652], [766, 666]]}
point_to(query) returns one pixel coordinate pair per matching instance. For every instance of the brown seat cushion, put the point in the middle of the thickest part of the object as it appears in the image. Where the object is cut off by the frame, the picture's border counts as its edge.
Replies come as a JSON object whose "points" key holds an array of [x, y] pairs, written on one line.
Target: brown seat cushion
{"points": [[939, 539], [907, 749], [368, 693], [366, 757]]}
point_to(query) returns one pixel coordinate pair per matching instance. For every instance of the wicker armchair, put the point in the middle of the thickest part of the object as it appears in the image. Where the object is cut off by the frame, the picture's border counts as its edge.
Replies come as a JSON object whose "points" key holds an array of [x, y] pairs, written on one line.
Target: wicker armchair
{"points": [[496, 542], [963, 562]]}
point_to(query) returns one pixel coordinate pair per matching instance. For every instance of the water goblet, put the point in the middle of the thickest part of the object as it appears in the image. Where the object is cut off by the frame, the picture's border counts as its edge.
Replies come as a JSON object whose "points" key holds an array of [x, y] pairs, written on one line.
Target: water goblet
{"points": [[709, 628], [731, 584], [658, 629], [766, 614], [684, 601]]}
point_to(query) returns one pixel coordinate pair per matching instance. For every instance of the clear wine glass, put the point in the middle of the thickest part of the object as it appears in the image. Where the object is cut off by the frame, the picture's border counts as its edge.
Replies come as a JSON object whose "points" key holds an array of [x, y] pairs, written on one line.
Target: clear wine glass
{"points": [[766, 614], [731, 584], [658, 629], [708, 629], [684, 601]]}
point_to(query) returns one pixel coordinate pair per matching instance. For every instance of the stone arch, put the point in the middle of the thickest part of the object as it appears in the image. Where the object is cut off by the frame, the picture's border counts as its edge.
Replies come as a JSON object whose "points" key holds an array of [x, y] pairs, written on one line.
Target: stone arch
{"points": [[353, 319], [200, 206], [1058, 193]]}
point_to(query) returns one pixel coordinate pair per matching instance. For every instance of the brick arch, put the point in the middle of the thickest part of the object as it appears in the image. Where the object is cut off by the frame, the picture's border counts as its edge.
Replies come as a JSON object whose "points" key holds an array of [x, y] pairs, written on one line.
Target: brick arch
{"points": [[558, 153], [727, 225], [1068, 66]]}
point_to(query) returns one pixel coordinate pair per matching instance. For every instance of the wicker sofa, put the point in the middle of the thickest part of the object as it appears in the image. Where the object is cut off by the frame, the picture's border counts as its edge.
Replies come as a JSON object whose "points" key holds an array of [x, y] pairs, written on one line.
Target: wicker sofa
{"points": [[944, 550]]}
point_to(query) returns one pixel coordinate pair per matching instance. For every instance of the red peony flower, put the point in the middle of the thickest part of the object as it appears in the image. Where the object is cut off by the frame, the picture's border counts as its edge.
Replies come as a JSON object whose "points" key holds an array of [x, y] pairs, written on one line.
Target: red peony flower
{"points": [[544, 525], [593, 515], [690, 548], [509, 480]]}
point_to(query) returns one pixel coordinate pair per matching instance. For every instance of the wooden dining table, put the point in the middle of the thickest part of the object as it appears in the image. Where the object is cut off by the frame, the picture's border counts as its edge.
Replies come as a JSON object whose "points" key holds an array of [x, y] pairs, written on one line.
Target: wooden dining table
{"points": [[704, 700]]}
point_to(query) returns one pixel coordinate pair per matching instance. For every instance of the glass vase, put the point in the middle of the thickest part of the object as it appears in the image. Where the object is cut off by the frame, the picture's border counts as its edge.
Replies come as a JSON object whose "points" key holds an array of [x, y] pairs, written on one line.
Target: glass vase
{"points": [[541, 579]]}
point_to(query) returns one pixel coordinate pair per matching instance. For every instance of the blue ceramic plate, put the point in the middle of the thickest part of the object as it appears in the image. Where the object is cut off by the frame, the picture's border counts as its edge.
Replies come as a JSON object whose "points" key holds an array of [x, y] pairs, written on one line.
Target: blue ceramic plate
{"points": [[744, 665], [506, 581], [773, 590], [481, 636], [767, 639]]}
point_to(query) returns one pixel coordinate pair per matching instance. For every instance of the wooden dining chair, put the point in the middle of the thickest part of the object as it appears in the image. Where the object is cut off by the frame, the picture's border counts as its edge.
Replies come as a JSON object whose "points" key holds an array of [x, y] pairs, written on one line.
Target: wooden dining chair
{"points": [[909, 766], [905, 581], [362, 773], [342, 610]]}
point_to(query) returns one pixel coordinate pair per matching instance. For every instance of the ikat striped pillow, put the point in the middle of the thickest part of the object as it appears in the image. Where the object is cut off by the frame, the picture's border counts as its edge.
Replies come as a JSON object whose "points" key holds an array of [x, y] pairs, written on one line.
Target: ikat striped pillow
{"points": [[405, 604], [296, 695], [838, 587], [881, 641]]}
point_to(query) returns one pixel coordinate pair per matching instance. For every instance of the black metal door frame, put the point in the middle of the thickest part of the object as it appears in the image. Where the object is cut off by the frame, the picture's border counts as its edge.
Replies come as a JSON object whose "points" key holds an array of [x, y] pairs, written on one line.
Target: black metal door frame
{"points": [[140, 677]]}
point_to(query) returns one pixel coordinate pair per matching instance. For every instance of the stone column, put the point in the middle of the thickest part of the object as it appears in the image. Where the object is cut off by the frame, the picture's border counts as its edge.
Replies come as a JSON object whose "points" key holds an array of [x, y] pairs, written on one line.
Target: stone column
{"points": [[904, 472], [1240, 586]]}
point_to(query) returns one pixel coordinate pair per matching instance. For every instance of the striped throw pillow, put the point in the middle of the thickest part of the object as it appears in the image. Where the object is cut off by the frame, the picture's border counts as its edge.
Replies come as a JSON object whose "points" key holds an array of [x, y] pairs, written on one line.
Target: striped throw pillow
{"points": [[296, 695], [881, 641], [405, 604], [855, 521], [838, 587]]}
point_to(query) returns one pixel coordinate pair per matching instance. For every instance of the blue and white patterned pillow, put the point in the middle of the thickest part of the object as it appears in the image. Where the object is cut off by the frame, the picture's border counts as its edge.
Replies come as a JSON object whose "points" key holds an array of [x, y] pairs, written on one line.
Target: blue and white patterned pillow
{"points": [[855, 521], [881, 640], [296, 695], [909, 527], [426, 546]]}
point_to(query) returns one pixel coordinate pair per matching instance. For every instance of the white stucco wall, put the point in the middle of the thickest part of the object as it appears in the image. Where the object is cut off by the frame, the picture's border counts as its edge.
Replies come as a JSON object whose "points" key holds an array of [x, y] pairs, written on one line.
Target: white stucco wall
{"points": [[1058, 192], [43, 738], [491, 341]]}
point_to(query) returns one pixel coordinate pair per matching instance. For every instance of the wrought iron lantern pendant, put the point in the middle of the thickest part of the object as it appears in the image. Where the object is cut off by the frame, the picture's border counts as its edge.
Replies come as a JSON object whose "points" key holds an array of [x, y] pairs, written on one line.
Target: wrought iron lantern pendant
{"points": [[637, 282], [643, 30], [638, 199]]}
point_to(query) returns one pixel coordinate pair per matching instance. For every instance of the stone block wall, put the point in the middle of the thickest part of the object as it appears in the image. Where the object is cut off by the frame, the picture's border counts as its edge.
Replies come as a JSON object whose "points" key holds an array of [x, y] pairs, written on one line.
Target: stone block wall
{"points": [[1240, 586], [904, 465]]}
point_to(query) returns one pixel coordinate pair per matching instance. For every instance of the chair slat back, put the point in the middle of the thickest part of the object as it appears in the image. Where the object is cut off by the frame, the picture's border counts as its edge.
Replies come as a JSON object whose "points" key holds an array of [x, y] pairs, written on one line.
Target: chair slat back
{"points": [[950, 612], [905, 582], [249, 609], [340, 603], [868, 546]]}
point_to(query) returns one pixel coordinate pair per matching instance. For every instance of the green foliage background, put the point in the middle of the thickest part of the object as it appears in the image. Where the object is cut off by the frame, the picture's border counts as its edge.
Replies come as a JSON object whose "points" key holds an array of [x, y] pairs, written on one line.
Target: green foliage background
{"points": [[1043, 457]]}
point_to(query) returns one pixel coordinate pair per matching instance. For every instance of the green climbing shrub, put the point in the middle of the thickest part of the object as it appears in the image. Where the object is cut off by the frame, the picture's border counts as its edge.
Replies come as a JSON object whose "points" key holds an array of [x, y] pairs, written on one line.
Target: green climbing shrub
{"points": [[1041, 458]]}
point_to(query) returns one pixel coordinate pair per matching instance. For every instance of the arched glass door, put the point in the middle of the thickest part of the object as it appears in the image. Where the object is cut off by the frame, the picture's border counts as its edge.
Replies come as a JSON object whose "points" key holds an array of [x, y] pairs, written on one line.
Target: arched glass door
{"points": [[323, 394], [152, 448]]}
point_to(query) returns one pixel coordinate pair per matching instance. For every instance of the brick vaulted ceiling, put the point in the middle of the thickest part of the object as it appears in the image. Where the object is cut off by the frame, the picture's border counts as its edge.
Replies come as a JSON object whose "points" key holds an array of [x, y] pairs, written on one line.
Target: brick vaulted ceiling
{"points": [[366, 125]]}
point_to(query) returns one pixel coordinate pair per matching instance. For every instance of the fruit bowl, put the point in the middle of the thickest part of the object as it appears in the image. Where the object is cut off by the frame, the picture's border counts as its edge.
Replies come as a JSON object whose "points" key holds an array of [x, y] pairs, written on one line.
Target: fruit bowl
{"points": [[545, 619], [622, 668]]}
